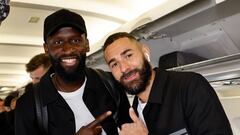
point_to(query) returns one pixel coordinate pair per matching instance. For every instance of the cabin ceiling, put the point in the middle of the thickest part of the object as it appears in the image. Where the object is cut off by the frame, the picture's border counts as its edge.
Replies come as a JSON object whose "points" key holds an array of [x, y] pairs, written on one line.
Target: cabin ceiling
{"points": [[21, 32], [204, 28]]}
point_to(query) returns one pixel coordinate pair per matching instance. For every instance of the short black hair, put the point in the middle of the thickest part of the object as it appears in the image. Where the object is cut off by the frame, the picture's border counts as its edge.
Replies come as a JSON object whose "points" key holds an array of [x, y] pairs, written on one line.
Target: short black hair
{"points": [[117, 36], [8, 99]]}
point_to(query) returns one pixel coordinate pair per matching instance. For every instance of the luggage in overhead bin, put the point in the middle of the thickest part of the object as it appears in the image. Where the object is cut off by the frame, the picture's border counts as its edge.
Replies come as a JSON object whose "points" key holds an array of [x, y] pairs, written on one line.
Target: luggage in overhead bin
{"points": [[178, 58]]}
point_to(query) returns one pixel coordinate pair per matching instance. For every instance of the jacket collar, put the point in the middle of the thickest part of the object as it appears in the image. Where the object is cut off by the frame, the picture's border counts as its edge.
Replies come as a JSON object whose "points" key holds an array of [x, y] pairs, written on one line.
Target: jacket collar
{"points": [[156, 94], [51, 93], [48, 91], [90, 79]]}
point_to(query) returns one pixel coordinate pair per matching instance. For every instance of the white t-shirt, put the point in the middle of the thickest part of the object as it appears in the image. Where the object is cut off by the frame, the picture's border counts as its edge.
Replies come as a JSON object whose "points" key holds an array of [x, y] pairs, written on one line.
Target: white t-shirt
{"points": [[140, 108], [81, 113]]}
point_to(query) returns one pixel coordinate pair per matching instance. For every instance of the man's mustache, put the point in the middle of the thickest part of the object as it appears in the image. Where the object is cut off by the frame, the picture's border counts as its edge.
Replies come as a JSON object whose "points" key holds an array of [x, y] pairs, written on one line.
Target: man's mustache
{"points": [[125, 75]]}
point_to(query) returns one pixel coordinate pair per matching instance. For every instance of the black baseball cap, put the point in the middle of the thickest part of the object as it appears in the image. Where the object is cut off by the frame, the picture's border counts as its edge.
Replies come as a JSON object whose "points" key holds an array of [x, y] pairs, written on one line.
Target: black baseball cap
{"points": [[63, 18]]}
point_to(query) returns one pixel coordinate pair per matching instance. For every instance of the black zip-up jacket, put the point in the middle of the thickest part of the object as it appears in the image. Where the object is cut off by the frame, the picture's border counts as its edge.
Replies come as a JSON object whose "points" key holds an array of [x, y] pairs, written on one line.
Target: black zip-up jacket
{"points": [[183, 103], [60, 117]]}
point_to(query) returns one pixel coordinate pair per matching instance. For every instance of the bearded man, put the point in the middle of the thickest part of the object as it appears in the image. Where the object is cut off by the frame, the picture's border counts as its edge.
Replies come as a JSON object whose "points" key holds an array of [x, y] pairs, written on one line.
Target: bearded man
{"points": [[77, 101], [166, 102]]}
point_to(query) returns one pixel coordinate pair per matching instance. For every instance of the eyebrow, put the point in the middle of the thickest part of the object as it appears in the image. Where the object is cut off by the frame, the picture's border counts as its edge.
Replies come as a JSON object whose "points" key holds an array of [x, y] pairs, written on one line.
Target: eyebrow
{"points": [[123, 53]]}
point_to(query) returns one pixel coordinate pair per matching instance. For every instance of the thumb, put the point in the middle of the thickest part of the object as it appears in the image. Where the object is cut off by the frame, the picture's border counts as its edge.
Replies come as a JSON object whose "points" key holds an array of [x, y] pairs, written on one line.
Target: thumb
{"points": [[133, 115]]}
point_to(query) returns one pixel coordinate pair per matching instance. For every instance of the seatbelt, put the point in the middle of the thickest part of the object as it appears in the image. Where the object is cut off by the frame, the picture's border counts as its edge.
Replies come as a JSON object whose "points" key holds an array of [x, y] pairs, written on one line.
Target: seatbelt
{"points": [[107, 80], [41, 111]]}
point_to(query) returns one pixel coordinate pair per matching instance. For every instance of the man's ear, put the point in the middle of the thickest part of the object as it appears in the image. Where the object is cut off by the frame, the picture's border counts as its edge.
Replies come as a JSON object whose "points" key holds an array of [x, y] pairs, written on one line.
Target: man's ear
{"points": [[147, 57], [145, 49], [45, 48], [146, 52]]}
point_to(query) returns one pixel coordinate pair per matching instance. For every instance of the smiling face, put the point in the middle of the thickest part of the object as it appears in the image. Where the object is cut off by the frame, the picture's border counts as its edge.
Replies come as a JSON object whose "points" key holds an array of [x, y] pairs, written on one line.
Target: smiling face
{"points": [[67, 49], [128, 64]]}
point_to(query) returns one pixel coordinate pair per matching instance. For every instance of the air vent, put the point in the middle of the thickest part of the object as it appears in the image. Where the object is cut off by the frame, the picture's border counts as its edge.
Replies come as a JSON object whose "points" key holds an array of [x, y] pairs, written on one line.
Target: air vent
{"points": [[34, 19]]}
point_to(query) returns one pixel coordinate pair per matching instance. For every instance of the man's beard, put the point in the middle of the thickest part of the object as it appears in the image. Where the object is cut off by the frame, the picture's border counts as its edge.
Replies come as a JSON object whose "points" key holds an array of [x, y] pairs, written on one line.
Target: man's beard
{"points": [[74, 75], [138, 85]]}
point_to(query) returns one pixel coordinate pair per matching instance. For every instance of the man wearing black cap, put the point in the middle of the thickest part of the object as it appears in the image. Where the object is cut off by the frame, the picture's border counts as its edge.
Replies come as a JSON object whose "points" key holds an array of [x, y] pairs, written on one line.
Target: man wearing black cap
{"points": [[77, 101]]}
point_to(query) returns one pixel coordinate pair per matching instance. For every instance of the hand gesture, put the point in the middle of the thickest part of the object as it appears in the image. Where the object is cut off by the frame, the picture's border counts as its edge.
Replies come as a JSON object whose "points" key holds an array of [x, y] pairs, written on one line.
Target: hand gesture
{"points": [[94, 128], [135, 128]]}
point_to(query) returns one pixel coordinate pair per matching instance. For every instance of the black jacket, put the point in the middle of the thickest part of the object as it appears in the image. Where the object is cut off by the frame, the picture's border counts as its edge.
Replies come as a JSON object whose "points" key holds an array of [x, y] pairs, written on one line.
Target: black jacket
{"points": [[60, 116], [7, 123], [183, 103]]}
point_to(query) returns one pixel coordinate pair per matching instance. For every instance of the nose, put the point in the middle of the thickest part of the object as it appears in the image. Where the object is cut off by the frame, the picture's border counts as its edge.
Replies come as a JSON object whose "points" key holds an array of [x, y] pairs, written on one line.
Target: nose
{"points": [[68, 48], [124, 66]]}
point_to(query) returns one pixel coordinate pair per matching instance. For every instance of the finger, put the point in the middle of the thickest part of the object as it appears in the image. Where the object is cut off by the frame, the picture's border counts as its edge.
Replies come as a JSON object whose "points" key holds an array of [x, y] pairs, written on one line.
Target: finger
{"points": [[98, 127], [99, 119], [98, 130], [133, 115]]}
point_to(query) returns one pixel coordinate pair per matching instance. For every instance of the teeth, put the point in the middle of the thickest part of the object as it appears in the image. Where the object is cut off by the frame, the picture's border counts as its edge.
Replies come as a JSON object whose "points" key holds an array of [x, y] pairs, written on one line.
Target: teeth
{"points": [[128, 75], [69, 61]]}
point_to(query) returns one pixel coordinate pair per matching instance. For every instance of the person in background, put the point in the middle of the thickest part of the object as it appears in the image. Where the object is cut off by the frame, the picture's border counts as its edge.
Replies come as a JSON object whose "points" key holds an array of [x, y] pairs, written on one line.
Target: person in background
{"points": [[7, 102], [13, 103], [38, 66], [7, 117], [77, 101], [166, 102], [1, 105]]}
